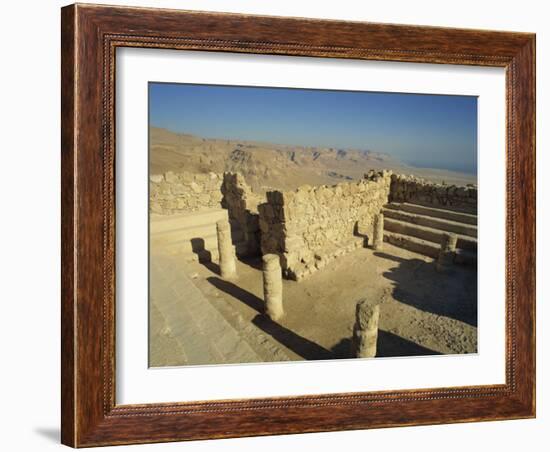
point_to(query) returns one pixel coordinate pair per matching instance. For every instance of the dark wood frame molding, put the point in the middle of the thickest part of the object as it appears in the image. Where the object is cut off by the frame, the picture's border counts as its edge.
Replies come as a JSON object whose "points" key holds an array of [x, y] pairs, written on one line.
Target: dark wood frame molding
{"points": [[90, 35]]}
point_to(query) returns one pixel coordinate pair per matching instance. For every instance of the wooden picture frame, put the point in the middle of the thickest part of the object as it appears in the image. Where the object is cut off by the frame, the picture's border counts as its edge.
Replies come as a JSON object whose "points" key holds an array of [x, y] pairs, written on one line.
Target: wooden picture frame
{"points": [[90, 36]]}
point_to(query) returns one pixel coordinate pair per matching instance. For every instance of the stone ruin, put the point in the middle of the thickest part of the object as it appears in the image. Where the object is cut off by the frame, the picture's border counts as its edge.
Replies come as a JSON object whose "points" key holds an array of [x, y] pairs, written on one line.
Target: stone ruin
{"points": [[307, 227], [311, 226], [298, 232], [173, 193], [242, 206], [416, 190]]}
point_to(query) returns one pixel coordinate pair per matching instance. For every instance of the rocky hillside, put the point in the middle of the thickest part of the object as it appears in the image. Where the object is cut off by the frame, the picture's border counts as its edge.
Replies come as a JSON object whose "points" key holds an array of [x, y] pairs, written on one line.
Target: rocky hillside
{"points": [[264, 165]]}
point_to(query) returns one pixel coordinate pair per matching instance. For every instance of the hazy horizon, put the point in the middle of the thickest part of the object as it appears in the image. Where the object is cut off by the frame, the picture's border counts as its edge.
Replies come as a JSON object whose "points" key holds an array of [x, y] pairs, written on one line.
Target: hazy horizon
{"points": [[420, 130]]}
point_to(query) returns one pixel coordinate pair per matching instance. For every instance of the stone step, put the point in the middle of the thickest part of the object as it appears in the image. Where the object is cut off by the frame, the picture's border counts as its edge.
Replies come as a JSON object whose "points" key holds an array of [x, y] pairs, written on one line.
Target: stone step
{"points": [[166, 223], [436, 212], [414, 244], [202, 332], [263, 345], [269, 349], [427, 248], [184, 233], [207, 243], [426, 233], [431, 222]]}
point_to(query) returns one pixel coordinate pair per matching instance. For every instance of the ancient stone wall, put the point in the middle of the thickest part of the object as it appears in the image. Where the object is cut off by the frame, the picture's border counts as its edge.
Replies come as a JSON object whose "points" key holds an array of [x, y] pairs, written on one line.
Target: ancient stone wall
{"points": [[418, 191], [242, 205], [310, 226], [306, 227], [172, 193]]}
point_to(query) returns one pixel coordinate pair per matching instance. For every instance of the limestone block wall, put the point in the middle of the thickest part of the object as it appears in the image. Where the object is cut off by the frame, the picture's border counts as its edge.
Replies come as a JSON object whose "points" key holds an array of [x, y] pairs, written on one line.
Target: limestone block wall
{"points": [[310, 226], [415, 190], [172, 193], [242, 206]]}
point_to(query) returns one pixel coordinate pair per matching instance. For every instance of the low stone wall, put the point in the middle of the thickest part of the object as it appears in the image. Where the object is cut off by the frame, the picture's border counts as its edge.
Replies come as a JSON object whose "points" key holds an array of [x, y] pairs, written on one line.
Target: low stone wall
{"points": [[172, 193], [414, 190], [242, 206], [310, 226], [307, 227]]}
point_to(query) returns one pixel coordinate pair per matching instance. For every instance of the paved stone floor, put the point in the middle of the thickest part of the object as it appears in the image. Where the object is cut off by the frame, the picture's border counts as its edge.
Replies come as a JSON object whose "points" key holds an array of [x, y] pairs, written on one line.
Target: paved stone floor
{"points": [[190, 330], [198, 318]]}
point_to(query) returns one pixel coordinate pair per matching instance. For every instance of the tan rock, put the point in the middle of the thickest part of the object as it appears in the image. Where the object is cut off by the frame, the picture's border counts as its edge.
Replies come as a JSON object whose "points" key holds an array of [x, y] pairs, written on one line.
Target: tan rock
{"points": [[156, 178], [273, 286], [365, 330], [171, 177], [196, 187]]}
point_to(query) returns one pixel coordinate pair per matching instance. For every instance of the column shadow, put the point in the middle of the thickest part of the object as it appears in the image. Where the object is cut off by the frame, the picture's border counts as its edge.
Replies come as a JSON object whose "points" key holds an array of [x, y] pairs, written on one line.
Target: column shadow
{"points": [[300, 345], [358, 233], [342, 350], [204, 255], [303, 347], [240, 294], [252, 261], [388, 345], [392, 345]]}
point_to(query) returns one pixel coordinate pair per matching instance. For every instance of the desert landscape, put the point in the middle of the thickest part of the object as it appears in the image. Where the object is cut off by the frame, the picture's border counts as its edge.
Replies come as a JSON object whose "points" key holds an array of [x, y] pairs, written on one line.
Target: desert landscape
{"points": [[261, 252], [268, 166]]}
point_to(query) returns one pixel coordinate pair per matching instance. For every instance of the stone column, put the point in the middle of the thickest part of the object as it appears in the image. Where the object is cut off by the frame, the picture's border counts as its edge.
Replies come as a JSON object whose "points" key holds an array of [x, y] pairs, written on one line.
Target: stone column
{"points": [[447, 252], [273, 286], [365, 330], [228, 268], [378, 232]]}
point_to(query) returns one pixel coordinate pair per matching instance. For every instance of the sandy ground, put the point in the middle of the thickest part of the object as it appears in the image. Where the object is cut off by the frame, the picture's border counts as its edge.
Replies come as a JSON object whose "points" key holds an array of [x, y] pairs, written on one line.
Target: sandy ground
{"points": [[423, 312]]}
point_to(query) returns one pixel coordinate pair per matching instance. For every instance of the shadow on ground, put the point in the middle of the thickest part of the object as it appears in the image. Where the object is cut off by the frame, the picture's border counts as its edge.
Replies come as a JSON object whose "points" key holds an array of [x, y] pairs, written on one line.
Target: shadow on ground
{"points": [[254, 262], [391, 345], [388, 345], [418, 284], [342, 349], [300, 345], [237, 292], [204, 255]]}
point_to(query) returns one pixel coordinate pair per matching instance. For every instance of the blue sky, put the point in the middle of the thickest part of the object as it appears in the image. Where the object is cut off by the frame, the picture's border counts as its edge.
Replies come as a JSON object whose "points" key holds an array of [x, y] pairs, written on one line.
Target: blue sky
{"points": [[433, 131]]}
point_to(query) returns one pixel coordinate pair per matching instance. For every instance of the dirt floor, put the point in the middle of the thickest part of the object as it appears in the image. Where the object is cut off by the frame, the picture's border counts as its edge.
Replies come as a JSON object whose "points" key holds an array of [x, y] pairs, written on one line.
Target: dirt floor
{"points": [[423, 312]]}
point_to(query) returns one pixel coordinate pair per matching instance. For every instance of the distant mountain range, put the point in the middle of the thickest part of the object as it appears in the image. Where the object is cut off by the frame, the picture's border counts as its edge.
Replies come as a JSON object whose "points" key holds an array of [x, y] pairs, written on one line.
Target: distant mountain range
{"points": [[265, 165]]}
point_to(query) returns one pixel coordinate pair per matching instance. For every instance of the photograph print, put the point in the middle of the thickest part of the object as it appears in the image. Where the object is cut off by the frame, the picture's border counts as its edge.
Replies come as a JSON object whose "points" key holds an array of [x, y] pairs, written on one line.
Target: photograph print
{"points": [[302, 224]]}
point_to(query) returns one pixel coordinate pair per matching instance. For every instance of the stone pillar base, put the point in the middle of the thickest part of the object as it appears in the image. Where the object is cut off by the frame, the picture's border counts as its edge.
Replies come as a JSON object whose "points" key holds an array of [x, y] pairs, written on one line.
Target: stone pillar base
{"points": [[228, 267], [365, 330], [273, 286]]}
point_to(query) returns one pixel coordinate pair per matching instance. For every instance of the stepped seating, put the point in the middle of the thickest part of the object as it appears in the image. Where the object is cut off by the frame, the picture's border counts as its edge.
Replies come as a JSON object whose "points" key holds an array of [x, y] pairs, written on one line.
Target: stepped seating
{"points": [[420, 229], [193, 234]]}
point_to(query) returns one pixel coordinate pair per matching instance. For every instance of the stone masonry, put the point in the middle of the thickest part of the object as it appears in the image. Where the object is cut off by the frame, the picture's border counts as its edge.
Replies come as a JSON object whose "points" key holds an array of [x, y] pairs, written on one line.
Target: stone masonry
{"points": [[415, 190], [273, 286], [307, 227], [365, 330], [242, 206], [173, 193], [226, 251], [310, 226]]}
